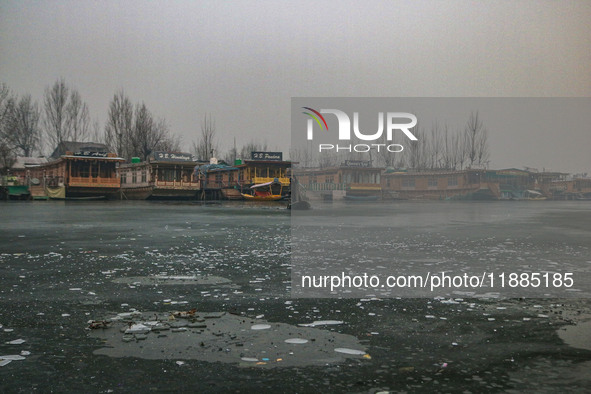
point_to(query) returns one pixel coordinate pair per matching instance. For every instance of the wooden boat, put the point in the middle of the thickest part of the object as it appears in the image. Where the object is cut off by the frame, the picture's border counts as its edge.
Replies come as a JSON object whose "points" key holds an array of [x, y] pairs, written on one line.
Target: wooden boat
{"points": [[270, 191], [261, 198]]}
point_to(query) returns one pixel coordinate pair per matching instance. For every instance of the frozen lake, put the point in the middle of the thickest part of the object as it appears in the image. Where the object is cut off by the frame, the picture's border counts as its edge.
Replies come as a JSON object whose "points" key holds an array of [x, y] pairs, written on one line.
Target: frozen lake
{"points": [[64, 264]]}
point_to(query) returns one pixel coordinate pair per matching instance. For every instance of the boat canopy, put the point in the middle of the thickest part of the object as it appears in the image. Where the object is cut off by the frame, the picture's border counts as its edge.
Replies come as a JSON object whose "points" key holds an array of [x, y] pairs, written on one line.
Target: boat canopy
{"points": [[265, 184]]}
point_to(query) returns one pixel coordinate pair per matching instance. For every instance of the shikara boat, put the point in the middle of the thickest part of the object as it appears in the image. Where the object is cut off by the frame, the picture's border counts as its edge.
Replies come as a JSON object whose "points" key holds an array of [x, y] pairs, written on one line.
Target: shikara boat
{"points": [[270, 191]]}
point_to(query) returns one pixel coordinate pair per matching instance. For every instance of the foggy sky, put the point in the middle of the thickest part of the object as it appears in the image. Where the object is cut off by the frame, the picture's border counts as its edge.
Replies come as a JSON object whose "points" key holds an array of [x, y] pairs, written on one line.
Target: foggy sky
{"points": [[242, 61]]}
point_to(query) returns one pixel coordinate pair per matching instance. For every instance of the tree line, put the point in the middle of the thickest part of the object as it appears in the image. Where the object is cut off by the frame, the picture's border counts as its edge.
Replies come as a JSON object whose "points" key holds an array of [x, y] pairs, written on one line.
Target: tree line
{"points": [[437, 148], [132, 130], [29, 128]]}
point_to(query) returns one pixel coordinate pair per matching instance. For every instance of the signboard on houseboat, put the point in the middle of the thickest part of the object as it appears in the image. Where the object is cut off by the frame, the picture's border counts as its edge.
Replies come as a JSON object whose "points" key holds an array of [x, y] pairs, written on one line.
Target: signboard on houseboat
{"points": [[275, 156], [358, 163], [91, 154], [173, 156]]}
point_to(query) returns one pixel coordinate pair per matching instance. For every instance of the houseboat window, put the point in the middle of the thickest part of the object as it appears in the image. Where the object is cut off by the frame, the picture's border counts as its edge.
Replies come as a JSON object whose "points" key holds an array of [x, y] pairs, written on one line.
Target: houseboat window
{"points": [[134, 176], [432, 182], [231, 176], [144, 177], [124, 177], [408, 182], [167, 175], [218, 178], [452, 181]]}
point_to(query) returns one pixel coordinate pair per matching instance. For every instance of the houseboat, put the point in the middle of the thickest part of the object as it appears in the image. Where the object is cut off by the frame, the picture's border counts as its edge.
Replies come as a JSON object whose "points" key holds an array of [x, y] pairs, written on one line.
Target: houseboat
{"points": [[471, 184], [79, 170], [230, 182], [353, 180], [165, 175], [23, 169]]}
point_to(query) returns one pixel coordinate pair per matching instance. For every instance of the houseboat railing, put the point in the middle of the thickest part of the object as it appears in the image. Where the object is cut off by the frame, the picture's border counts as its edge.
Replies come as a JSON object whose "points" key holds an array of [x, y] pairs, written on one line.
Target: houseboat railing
{"points": [[326, 186], [365, 186], [180, 184], [93, 181]]}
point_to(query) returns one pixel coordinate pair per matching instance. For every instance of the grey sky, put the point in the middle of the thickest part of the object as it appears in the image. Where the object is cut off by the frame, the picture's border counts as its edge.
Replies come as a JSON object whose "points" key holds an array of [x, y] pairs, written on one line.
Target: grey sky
{"points": [[243, 61]]}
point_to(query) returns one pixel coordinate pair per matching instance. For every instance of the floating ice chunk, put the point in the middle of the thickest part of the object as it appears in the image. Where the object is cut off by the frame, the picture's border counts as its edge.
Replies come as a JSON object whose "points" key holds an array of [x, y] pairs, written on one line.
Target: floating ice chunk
{"points": [[65, 314], [12, 357], [25, 353], [4, 362], [16, 342], [322, 323], [260, 327], [75, 289], [180, 363], [138, 329], [250, 359], [349, 351], [296, 340]]}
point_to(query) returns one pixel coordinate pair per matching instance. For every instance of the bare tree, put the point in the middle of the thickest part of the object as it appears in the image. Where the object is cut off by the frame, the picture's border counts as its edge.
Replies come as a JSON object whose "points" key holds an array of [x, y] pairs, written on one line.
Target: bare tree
{"points": [[171, 143], [482, 149], [303, 157], [253, 146], [22, 132], [66, 116], [5, 95], [206, 146], [149, 134], [328, 159], [119, 126], [55, 120], [476, 140], [96, 134], [7, 156], [77, 118]]}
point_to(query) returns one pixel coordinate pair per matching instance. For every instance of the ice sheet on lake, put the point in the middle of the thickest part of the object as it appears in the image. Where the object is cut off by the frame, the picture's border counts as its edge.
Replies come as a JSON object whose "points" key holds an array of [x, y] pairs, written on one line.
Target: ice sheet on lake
{"points": [[228, 338], [173, 280]]}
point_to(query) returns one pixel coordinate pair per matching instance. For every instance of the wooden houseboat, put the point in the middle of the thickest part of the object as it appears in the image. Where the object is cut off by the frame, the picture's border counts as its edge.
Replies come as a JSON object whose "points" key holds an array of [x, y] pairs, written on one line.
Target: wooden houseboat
{"points": [[230, 182], [165, 175], [440, 185], [79, 170], [354, 180]]}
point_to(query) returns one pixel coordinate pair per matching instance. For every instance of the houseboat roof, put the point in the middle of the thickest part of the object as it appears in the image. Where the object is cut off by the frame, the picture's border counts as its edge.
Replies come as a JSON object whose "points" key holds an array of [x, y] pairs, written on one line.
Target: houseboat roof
{"points": [[246, 162], [92, 158], [28, 162], [432, 172], [75, 146], [301, 171]]}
